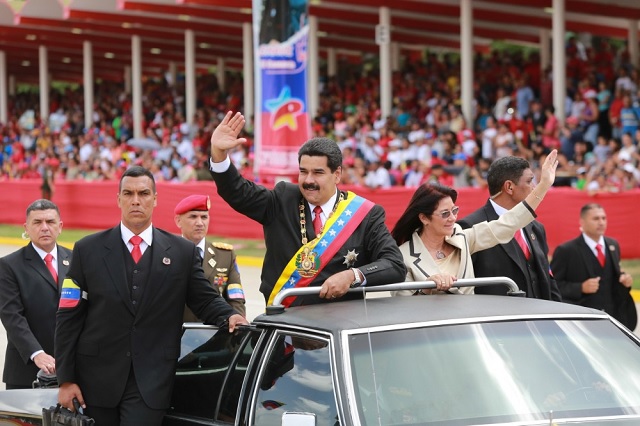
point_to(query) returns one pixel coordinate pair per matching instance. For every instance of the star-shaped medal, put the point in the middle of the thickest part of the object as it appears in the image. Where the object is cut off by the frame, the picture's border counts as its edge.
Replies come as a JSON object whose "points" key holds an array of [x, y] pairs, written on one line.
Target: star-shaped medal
{"points": [[350, 258]]}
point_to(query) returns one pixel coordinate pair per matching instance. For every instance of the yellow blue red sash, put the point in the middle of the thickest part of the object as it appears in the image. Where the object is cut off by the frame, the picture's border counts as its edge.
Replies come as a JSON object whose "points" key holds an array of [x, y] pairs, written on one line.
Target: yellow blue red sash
{"points": [[312, 257]]}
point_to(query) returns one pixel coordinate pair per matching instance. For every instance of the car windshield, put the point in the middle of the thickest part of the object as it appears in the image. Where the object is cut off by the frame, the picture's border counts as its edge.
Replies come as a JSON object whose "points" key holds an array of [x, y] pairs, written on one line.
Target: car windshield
{"points": [[480, 373]]}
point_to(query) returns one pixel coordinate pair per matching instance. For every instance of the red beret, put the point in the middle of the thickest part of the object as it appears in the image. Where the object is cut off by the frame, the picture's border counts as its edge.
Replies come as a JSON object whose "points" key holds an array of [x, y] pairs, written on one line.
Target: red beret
{"points": [[193, 202]]}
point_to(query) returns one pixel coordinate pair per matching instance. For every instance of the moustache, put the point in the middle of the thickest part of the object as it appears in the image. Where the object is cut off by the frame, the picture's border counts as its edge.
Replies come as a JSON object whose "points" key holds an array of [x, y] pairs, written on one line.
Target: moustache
{"points": [[310, 186]]}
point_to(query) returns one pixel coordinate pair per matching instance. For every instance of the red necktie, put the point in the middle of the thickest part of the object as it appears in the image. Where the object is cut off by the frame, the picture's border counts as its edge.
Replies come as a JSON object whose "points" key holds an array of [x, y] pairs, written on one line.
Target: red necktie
{"points": [[523, 245], [600, 256], [317, 220], [48, 259], [136, 253]]}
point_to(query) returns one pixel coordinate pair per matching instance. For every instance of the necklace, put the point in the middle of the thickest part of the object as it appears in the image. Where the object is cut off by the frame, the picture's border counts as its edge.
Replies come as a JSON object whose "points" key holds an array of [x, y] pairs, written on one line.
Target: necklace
{"points": [[303, 221], [440, 254]]}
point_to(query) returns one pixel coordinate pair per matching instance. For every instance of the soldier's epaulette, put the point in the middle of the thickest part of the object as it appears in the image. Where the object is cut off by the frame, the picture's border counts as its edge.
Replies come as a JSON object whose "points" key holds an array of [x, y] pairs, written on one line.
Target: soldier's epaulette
{"points": [[222, 246]]}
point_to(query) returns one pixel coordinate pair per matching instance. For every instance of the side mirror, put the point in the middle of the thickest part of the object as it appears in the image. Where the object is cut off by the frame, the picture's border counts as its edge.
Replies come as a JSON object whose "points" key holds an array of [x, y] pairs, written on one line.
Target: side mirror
{"points": [[291, 418]]}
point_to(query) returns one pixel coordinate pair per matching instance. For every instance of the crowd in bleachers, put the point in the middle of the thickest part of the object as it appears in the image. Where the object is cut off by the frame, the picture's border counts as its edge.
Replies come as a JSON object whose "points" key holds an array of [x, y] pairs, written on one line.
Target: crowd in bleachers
{"points": [[426, 138]]}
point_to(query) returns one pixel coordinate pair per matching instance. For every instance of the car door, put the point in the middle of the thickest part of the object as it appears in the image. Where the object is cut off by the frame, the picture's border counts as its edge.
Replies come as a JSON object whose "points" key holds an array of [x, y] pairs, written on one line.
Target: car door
{"points": [[210, 374], [295, 377]]}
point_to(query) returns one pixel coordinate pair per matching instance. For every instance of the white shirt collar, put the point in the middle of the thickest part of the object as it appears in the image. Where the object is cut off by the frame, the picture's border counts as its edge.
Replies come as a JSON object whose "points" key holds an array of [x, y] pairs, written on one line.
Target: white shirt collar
{"points": [[498, 208], [592, 244], [201, 246], [43, 253], [327, 207], [146, 235]]}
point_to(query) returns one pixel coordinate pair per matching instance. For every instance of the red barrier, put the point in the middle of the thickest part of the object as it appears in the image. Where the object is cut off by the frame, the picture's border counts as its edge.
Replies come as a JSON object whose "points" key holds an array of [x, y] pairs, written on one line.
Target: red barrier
{"points": [[94, 206]]}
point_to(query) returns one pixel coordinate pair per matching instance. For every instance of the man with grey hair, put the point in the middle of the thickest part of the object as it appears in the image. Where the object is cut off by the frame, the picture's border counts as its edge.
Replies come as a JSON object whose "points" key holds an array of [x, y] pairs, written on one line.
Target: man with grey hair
{"points": [[315, 234], [29, 293]]}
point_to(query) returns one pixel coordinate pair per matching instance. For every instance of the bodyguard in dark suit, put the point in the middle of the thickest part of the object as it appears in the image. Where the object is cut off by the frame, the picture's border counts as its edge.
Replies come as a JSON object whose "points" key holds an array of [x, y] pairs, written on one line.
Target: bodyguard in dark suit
{"points": [[510, 180], [29, 296], [300, 221], [120, 316], [587, 269]]}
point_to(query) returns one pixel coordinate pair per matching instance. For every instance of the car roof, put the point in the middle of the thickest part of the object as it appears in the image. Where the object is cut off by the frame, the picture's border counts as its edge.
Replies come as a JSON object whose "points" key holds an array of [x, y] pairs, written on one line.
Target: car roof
{"points": [[390, 311]]}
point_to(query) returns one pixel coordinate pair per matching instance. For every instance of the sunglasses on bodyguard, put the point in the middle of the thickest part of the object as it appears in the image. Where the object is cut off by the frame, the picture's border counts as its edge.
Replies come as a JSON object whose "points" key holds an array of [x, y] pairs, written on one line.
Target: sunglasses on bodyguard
{"points": [[445, 214]]}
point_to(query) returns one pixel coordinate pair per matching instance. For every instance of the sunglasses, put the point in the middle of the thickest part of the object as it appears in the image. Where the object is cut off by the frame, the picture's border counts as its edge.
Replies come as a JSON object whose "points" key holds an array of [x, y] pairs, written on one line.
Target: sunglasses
{"points": [[445, 214]]}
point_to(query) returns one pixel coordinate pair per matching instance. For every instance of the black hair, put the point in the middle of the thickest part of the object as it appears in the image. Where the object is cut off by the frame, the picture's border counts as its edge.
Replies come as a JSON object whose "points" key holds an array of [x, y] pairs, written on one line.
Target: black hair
{"points": [[138, 171], [322, 147], [504, 169], [424, 200], [587, 207]]}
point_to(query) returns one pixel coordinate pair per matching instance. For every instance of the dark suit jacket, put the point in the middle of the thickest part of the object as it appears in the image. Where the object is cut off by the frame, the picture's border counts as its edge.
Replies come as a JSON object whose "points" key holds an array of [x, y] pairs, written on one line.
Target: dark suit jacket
{"points": [[278, 211], [572, 264], [504, 259], [28, 304], [99, 340]]}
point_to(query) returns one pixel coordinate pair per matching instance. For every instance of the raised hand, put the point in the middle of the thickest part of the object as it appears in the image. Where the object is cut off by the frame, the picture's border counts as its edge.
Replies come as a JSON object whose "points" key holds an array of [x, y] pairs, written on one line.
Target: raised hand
{"points": [[225, 136], [548, 171]]}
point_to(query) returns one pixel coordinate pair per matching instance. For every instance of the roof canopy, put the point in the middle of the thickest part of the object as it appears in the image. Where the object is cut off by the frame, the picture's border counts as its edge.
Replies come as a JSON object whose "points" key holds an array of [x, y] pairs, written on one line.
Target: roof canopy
{"points": [[345, 25]]}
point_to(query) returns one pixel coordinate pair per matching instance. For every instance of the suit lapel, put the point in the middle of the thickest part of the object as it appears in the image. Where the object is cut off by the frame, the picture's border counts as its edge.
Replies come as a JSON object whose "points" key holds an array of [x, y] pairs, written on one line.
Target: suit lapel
{"points": [[588, 258], [422, 260], [161, 262], [64, 260], [33, 259], [511, 248], [209, 262], [115, 265], [612, 255]]}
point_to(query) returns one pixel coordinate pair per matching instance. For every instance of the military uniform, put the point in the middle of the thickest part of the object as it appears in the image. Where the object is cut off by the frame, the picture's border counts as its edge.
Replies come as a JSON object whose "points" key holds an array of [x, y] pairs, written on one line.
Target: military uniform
{"points": [[221, 269], [218, 259]]}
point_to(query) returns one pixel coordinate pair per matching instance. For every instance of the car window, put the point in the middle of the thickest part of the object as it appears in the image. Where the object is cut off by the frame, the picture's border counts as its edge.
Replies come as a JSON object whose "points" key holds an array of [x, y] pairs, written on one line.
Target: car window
{"points": [[208, 356], [495, 372], [296, 378]]}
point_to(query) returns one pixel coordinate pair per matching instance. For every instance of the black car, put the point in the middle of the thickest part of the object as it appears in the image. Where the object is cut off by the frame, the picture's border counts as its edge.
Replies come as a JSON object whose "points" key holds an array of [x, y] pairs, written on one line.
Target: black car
{"points": [[424, 360]]}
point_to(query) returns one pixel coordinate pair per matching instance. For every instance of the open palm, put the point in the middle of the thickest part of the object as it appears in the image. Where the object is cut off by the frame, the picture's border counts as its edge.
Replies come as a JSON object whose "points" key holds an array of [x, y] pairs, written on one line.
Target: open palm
{"points": [[225, 136]]}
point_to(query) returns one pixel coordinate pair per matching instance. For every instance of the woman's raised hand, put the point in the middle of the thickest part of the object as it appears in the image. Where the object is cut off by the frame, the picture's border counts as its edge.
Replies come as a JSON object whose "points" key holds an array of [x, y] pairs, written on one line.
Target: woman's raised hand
{"points": [[548, 171]]}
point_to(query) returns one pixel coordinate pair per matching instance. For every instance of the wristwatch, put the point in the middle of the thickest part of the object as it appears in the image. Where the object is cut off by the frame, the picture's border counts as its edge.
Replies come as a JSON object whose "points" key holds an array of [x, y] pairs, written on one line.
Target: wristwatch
{"points": [[357, 281]]}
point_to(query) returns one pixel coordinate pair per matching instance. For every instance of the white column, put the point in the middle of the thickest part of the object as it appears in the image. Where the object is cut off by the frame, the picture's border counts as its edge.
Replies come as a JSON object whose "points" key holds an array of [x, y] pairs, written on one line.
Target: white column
{"points": [[190, 75], [12, 85], [332, 62], [44, 83], [559, 61], [127, 79], [395, 56], [173, 73], [466, 60], [545, 51], [87, 77], [633, 42], [247, 71], [136, 79], [221, 73], [4, 113], [313, 64], [383, 38]]}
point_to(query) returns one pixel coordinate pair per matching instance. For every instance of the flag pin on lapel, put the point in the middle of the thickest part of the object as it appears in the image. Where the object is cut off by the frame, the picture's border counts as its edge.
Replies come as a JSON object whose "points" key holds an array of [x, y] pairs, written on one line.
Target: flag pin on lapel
{"points": [[166, 261]]}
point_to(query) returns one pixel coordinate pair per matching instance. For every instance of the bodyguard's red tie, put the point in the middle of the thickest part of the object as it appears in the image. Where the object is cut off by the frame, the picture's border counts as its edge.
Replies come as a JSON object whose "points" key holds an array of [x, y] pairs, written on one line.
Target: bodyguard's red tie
{"points": [[523, 244], [601, 257], [317, 220], [136, 253], [48, 260]]}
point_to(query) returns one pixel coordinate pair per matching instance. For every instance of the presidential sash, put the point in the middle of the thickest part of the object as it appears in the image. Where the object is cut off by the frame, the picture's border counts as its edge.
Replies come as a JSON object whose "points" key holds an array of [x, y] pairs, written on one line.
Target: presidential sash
{"points": [[312, 257]]}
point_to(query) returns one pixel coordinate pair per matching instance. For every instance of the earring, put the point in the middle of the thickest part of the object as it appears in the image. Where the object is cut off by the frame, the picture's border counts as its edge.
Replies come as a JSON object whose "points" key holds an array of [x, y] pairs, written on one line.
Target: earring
{"points": [[25, 236]]}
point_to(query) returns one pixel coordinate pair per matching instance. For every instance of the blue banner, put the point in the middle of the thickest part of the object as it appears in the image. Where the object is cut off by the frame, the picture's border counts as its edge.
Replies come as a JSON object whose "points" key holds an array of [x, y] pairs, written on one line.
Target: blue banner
{"points": [[283, 122]]}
